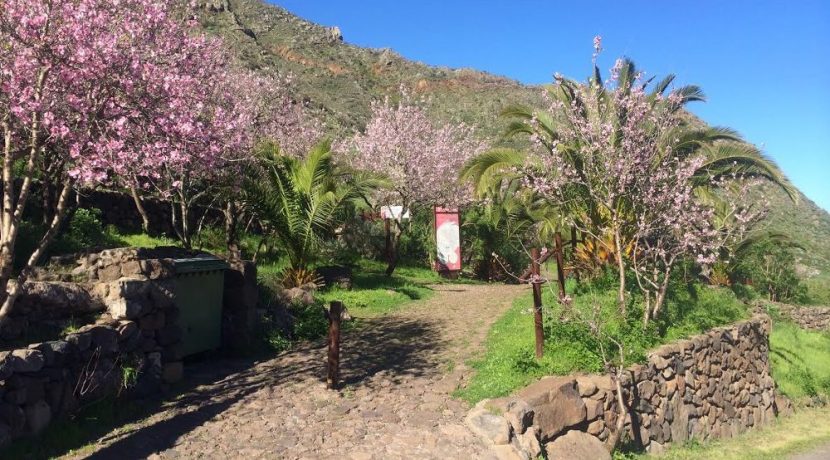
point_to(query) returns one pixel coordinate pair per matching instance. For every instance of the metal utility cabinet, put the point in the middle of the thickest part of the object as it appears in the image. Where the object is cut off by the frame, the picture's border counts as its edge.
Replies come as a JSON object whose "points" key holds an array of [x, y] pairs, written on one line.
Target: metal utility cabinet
{"points": [[199, 289]]}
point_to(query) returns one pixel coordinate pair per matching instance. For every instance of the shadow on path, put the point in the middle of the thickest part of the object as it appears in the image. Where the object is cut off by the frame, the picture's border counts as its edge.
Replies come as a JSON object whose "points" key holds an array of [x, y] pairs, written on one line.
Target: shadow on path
{"points": [[398, 347]]}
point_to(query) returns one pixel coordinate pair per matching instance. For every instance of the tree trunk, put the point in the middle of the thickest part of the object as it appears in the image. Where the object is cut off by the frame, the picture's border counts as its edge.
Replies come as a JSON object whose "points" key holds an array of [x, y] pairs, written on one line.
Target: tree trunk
{"points": [[621, 269], [231, 230], [142, 211], [393, 238], [661, 294], [622, 413], [392, 252], [560, 262], [538, 322], [13, 288]]}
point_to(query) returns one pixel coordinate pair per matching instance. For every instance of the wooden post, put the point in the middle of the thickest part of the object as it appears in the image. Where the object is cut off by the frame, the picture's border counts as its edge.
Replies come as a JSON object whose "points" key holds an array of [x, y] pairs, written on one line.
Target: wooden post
{"points": [[335, 311], [560, 269], [537, 302]]}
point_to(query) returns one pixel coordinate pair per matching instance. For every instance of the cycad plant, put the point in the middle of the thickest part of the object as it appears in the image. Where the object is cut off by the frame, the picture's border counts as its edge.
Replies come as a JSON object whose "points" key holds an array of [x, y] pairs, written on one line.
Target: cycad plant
{"points": [[301, 202]]}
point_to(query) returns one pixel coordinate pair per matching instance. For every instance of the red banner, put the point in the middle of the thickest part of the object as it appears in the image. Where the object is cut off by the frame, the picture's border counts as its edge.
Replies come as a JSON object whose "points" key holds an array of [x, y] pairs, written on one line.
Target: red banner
{"points": [[448, 239]]}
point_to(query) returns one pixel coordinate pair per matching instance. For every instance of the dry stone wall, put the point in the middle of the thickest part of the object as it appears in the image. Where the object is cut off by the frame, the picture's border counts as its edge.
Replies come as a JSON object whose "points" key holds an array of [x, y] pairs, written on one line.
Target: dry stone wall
{"points": [[138, 328], [813, 318], [714, 385]]}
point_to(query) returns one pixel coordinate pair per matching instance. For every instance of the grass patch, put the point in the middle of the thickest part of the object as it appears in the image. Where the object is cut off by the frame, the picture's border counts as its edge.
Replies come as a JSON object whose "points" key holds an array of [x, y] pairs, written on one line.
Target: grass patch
{"points": [[141, 240], [784, 437], [374, 294], [510, 363], [800, 361]]}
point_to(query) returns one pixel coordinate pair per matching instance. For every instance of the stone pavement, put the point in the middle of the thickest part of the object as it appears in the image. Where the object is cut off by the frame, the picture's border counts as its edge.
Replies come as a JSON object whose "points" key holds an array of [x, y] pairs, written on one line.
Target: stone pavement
{"points": [[398, 370]]}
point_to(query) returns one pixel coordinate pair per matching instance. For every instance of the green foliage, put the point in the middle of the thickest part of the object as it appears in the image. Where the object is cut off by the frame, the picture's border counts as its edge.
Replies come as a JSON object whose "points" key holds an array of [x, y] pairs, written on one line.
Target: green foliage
{"points": [[800, 361], [83, 231], [570, 344], [301, 202], [818, 290], [769, 265]]}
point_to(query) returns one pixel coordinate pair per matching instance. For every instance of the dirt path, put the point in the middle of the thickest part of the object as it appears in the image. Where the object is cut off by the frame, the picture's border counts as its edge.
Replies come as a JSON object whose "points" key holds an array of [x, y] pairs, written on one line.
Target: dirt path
{"points": [[399, 371], [820, 453]]}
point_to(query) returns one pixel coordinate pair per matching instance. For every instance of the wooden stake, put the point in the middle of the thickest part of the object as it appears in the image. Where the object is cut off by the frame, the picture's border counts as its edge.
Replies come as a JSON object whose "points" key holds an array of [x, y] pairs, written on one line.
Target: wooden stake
{"points": [[537, 302], [333, 377]]}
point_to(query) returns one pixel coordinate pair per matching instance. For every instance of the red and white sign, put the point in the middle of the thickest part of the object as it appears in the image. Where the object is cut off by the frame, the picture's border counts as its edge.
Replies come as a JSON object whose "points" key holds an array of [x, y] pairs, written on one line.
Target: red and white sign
{"points": [[448, 239]]}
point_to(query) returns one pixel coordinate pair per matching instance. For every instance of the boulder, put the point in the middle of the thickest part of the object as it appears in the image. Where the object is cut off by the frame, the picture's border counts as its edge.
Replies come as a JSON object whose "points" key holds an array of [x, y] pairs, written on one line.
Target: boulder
{"points": [[519, 414], [576, 445], [12, 416], [491, 427], [38, 416], [6, 365], [27, 360], [556, 405], [55, 300]]}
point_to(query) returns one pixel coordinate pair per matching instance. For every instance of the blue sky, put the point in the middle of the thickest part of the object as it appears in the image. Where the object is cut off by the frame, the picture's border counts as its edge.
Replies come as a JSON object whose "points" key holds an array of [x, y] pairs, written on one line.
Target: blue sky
{"points": [[765, 65]]}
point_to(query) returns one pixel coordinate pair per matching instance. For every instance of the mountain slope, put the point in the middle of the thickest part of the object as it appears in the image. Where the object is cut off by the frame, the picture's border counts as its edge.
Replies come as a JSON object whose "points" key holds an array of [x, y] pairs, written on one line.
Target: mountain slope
{"points": [[339, 81]]}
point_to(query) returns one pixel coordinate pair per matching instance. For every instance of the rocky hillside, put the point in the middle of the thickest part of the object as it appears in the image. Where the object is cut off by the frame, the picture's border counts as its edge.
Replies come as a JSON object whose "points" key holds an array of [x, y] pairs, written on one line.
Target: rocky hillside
{"points": [[340, 80]]}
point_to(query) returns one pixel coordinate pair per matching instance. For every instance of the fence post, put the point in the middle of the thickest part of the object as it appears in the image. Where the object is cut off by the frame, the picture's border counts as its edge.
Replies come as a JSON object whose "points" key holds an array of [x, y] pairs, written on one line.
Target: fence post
{"points": [[333, 377], [536, 283]]}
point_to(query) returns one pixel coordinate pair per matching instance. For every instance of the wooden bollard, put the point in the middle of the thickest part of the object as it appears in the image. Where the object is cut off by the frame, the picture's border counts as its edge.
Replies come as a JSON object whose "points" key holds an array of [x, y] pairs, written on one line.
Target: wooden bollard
{"points": [[333, 376], [537, 302]]}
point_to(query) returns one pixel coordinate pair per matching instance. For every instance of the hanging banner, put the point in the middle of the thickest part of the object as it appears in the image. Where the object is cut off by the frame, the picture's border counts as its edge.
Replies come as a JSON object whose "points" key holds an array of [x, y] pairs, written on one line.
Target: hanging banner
{"points": [[448, 239]]}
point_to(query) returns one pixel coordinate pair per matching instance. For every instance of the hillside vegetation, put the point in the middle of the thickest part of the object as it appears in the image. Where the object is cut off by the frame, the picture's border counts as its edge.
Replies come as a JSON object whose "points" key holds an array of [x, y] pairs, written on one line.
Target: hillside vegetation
{"points": [[339, 81]]}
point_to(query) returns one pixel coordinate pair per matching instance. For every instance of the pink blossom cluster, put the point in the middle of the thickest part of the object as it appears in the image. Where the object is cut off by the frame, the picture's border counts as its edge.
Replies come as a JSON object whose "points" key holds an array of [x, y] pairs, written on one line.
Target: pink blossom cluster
{"points": [[116, 85], [420, 158], [125, 92]]}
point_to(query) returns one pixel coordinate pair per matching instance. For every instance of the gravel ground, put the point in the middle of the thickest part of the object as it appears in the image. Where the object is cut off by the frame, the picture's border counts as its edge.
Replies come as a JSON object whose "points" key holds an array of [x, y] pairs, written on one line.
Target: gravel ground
{"points": [[398, 372]]}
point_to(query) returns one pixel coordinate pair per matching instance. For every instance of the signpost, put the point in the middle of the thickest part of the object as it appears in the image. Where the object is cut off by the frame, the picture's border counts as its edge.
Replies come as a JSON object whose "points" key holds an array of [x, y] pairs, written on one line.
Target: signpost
{"points": [[448, 241]]}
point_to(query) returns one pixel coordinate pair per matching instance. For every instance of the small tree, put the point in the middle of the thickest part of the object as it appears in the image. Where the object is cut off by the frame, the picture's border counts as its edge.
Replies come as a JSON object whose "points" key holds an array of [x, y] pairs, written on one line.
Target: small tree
{"points": [[419, 158]]}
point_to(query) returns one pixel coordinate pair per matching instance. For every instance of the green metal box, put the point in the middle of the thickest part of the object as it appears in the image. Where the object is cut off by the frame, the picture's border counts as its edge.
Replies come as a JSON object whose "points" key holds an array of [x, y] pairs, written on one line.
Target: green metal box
{"points": [[199, 289]]}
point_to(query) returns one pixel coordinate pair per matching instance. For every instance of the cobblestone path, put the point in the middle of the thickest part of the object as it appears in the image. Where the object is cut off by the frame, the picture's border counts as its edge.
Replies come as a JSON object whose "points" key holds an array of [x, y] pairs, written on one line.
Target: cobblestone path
{"points": [[399, 371]]}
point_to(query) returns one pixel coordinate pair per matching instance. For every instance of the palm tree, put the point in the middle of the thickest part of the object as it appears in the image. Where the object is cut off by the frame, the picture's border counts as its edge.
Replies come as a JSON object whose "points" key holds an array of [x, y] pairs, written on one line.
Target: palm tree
{"points": [[511, 207], [300, 202]]}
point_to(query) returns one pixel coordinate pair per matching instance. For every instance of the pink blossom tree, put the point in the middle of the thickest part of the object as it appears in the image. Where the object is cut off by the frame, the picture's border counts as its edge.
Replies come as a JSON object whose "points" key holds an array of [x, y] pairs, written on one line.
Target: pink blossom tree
{"points": [[98, 85], [419, 159], [625, 162]]}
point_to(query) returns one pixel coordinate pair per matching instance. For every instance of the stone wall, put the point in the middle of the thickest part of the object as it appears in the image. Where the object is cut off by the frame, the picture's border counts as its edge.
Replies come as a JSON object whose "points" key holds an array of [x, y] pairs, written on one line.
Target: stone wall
{"points": [[137, 329], [813, 318], [714, 385]]}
